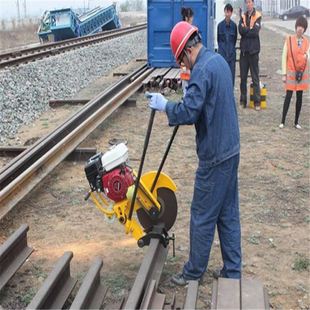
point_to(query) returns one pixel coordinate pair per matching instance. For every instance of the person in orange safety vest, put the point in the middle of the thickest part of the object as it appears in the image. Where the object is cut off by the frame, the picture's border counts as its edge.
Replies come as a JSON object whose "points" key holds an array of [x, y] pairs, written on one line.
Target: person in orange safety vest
{"points": [[295, 68], [249, 28]]}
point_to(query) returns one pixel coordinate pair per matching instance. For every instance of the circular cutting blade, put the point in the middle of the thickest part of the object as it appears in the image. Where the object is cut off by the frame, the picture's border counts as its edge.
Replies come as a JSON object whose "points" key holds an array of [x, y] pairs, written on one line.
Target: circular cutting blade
{"points": [[168, 211]]}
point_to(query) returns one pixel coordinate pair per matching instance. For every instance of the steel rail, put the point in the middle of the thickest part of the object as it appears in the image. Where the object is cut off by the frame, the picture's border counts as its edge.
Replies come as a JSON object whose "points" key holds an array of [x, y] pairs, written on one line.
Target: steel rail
{"points": [[77, 155], [56, 288], [151, 269], [30, 167], [39, 52], [152, 299], [91, 293], [13, 253]]}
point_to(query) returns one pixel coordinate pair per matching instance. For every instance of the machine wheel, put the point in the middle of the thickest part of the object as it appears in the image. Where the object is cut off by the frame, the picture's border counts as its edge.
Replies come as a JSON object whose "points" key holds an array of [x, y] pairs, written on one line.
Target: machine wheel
{"points": [[168, 212]]}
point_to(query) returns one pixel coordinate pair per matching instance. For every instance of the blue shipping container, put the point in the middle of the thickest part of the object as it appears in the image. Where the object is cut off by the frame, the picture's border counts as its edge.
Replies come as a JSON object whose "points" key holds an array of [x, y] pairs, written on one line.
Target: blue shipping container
{"points": [[162, 15]]}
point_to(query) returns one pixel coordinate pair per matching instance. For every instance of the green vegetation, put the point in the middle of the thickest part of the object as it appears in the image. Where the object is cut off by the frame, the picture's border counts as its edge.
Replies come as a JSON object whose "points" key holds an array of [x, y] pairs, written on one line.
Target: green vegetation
{"points": [[27, 297], [116, 282], [301, 263]]}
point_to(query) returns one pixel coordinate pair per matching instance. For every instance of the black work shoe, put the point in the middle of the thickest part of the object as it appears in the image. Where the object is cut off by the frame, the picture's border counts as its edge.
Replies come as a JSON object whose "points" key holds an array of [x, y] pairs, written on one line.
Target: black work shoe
{"points": [[179, 280]]}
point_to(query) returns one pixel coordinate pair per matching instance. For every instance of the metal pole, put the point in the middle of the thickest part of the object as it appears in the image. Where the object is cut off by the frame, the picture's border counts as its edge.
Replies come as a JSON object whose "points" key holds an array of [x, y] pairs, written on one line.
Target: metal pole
{"points": [[18, 11], [146, 143], [25, 8], [175, 130]]}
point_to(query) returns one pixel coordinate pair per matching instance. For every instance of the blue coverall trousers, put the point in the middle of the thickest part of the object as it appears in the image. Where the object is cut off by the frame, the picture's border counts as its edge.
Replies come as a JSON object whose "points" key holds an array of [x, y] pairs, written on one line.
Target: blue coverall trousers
{"points": [[232, 66], [215, 203]]}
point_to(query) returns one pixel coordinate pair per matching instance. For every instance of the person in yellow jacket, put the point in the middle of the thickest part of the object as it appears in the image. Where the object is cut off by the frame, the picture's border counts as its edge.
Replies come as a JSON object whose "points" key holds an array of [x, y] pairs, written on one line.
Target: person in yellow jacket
{"points": [[295, 68]]}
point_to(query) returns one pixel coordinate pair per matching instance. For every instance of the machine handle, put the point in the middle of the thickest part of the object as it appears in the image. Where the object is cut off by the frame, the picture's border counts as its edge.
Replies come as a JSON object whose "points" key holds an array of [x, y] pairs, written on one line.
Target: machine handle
{"points": [[86, 197], [175, 130], [146, 143]]}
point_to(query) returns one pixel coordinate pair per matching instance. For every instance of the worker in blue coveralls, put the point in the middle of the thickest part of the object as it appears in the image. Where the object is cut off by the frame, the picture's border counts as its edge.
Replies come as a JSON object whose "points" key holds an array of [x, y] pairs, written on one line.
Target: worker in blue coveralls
{"points": [[227, 38], [209, 104]]}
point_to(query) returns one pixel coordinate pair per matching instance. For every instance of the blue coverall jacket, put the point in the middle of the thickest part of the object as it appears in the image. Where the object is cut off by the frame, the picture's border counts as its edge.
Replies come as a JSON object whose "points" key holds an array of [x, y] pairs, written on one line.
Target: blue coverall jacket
{"points": [[209, 104], [226, 40]]}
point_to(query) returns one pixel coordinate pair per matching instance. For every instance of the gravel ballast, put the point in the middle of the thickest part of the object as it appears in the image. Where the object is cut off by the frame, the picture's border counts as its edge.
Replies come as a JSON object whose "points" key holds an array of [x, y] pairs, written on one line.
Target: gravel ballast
{"points": [[26, 90]]}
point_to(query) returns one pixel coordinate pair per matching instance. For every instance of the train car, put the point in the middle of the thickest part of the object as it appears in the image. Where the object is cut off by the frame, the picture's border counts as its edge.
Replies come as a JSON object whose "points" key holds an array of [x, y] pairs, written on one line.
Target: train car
{"points": [[64, 24], [58, 25], [44, 31], [162, 15]]}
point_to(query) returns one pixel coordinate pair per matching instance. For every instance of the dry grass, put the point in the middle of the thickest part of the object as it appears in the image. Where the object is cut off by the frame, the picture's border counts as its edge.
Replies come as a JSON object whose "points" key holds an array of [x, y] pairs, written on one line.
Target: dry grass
{"points": [[18, 34]]}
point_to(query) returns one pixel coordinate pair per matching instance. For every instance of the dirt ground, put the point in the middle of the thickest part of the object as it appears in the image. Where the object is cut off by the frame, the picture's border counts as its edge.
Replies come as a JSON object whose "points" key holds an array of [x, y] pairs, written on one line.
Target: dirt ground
{"points": [[274, 202]]}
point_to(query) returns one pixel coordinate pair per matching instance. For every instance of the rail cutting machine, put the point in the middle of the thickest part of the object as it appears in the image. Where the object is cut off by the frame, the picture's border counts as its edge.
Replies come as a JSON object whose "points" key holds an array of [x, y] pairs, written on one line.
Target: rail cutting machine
{"points": [[118, 191]]}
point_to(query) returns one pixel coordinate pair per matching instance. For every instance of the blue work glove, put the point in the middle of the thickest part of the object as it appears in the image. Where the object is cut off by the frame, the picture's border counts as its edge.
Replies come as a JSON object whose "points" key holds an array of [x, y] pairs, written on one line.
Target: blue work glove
{"points": [[156, 101]]}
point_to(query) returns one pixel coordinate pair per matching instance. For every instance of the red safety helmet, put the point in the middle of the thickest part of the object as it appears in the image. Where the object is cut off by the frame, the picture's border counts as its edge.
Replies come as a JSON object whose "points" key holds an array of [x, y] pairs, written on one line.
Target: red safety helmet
{"points": [[179, 36]]}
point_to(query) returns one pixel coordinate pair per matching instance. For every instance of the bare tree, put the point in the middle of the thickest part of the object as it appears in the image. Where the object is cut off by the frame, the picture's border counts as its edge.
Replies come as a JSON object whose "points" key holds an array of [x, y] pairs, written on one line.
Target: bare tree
{"points": [[3, 24], [13, 23]]}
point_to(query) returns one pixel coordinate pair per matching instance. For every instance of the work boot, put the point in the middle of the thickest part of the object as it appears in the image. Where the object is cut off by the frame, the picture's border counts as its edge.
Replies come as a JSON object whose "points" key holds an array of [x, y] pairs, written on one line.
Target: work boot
{"points": [[179, 279]]}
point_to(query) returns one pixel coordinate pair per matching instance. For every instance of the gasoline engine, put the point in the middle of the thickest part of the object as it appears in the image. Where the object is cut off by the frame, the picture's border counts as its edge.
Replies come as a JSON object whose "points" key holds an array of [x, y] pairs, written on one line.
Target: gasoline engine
{"points": [[110, 174]]}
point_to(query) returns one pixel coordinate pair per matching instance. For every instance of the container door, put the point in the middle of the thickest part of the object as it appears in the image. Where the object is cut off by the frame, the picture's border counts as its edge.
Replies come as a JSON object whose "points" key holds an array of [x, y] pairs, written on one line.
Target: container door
{"points": [[163, 15], [160, 22]]}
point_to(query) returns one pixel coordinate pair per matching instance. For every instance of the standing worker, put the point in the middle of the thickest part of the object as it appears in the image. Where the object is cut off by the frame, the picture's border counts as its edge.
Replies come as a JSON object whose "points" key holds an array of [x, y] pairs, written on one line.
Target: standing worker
{"points": [[249, 27], [227, 38], [209, 104], [295, 68]]}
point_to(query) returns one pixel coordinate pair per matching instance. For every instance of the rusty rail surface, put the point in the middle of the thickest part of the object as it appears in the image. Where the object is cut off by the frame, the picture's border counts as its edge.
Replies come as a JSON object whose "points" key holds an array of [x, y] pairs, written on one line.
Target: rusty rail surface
{"points": [[91, 293], [46, 50], [13, 252], [25, 171], [152, 299], [54, 103], [57, 287], [151, 269], [78, 154], [144, 293]]}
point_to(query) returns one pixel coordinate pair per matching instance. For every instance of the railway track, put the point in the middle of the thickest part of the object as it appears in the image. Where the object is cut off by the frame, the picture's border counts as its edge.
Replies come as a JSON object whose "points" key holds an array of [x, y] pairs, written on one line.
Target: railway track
{"points": [[59, 284], [35, 53], [27, 170]]}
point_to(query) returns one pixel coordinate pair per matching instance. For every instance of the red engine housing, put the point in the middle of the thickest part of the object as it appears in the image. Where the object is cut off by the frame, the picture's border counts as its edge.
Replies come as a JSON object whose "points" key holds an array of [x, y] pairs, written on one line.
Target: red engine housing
{"points": [[116, 182]]}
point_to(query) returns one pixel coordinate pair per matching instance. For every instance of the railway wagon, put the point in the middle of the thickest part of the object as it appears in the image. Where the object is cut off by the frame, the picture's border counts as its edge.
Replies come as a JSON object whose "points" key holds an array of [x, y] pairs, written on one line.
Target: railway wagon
{"points": [[62, 24], [162, 15]]}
